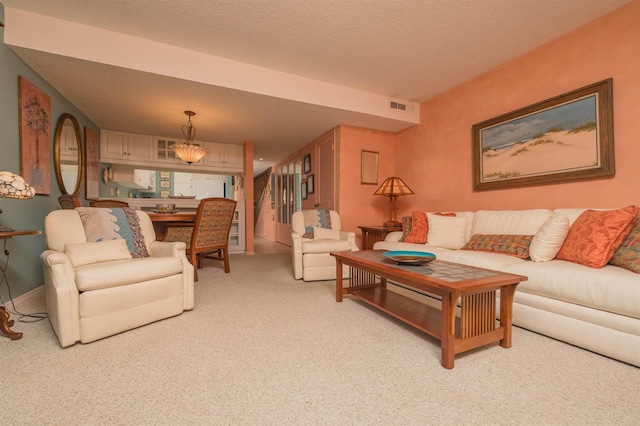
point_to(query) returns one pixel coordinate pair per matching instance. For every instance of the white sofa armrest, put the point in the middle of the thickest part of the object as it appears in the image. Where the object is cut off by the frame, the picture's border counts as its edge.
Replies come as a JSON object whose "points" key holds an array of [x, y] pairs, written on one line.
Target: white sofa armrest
{"points": [[297, 255], [62, 296], [351, 237], [393, 237]]}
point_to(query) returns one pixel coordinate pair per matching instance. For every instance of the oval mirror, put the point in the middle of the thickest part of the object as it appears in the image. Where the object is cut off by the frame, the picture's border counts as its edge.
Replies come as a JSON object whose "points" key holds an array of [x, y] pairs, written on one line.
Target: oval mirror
{"points": [[67, 155]]}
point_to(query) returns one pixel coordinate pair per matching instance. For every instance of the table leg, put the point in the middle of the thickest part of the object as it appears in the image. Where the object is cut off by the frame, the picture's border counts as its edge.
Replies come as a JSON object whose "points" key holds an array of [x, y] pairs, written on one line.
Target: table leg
{"points": [[448, 331], [339, 280], [5, 325], [506, 312]]}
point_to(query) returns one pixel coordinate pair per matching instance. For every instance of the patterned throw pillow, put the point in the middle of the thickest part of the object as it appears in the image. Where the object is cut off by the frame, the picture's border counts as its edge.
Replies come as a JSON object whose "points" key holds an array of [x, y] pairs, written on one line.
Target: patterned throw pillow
{"points": [[596, 235], [628, 254], [418, 227], [406, 227], [418, 233], [514, 245]]}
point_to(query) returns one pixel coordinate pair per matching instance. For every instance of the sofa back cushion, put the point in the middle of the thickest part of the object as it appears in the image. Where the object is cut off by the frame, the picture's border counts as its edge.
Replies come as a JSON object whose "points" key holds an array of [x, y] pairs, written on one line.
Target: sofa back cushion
{"points": [[509, 222], [62, 227]]}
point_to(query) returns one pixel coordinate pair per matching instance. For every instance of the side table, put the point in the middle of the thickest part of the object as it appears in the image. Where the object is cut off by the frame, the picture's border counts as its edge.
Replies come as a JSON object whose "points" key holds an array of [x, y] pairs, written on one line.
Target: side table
{"points": [[373, 234], [5, 322]]}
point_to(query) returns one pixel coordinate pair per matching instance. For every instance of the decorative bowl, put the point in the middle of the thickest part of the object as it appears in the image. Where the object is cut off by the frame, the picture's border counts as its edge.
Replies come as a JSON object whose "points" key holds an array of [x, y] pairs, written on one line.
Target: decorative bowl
{"points": [[409, 257], [165, 207]]}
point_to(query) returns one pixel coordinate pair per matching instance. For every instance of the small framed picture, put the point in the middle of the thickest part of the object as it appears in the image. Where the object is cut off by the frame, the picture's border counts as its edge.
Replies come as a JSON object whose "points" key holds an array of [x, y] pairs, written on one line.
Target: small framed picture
{"points": [[164, 194], [307, 163], [165, 175], [310, 188], [303, 190], [165, 184]]}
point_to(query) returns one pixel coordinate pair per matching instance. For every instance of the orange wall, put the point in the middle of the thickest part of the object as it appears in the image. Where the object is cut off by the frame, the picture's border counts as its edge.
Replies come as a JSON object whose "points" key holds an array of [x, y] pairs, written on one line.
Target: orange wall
{"points": [[357, 204], [434, 158]]}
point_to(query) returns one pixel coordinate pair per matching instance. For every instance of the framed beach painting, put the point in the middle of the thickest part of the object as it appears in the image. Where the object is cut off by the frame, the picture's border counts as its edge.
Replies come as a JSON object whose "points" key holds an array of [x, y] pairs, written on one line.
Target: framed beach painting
{"points": [[566, 138], [35, 140]]}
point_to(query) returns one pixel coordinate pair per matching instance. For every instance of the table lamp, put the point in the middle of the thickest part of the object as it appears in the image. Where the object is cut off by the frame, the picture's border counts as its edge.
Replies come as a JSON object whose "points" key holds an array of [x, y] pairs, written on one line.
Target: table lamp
{"points": [[14, 186], [393, 187]]}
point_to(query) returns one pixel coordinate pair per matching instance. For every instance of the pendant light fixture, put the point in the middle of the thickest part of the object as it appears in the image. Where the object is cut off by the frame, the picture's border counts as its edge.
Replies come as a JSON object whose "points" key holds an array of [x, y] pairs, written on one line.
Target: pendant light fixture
{"points": [[188, 151]]}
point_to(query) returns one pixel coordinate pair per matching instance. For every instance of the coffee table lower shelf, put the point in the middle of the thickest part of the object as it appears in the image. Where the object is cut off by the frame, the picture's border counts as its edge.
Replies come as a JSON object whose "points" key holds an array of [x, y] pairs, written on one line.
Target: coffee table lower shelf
{"points": [[466, 316], [423, 317]]}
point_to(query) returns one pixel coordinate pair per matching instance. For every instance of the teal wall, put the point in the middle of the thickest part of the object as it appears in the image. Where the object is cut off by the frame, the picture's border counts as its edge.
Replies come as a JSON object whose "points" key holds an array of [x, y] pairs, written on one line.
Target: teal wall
{"points": [[25, 268]]}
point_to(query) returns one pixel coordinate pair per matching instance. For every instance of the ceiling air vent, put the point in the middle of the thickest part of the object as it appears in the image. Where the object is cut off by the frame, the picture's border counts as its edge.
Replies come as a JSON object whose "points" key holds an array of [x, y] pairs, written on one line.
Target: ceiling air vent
{"points": [[398, 106]]}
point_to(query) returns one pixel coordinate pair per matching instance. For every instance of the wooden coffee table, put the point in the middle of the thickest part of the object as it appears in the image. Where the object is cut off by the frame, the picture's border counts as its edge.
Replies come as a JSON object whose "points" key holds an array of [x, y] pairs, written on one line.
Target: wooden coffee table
{"points": [[475, 287]]}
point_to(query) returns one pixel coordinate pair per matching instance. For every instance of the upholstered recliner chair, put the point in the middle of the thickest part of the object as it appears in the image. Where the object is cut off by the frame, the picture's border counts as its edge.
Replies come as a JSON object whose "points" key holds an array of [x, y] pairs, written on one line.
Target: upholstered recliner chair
{"points": [[315, 234], [105, 273]]}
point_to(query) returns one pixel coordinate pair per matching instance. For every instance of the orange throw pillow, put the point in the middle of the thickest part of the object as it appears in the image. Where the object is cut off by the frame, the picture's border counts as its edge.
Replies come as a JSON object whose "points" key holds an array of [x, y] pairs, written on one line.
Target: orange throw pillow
{"points": [[418, 234], [596, 235], [420, 227]]}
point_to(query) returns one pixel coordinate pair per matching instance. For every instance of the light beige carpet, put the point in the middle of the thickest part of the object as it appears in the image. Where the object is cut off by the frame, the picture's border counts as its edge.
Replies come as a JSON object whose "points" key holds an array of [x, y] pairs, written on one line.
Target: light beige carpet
{"points": [[262, 348]]}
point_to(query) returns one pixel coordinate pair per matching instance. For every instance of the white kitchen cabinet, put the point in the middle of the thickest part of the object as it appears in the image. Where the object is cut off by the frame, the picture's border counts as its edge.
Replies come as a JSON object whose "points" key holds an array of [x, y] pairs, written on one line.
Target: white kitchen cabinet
{"points": [[68, 144], [119, 147], [237, 232], [224, 156]]}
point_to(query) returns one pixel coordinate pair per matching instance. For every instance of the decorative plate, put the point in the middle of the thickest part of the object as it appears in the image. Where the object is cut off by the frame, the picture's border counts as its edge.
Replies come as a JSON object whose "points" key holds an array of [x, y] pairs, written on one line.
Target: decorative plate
{"points": [[409, 257], [105, 176]]}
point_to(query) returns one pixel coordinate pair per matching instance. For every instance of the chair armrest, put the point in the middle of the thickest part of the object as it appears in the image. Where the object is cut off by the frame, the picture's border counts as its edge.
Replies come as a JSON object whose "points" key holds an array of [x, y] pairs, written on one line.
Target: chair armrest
{"points": [[177, 249], [351, 237], [167, 248], [296, 251], [61, 295]]}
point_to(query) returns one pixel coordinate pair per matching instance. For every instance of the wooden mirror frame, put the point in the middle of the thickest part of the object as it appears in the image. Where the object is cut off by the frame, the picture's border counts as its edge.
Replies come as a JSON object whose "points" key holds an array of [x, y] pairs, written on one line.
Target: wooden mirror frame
{"points": [[56, 154]]}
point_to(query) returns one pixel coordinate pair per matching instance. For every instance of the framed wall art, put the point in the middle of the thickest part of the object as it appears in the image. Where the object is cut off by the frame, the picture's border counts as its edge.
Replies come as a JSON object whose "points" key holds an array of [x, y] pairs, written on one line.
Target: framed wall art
{"points": [[369, 168], [310, 188], [165, 184], [303, 190], [92, 168], [307, 164], [165, 175], [566, 138], [35, 142]]}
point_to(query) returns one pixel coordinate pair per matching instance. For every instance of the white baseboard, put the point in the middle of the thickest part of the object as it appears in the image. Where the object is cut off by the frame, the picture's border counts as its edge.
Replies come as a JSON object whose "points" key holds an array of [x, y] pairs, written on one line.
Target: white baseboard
{"points": [[28, 295]]}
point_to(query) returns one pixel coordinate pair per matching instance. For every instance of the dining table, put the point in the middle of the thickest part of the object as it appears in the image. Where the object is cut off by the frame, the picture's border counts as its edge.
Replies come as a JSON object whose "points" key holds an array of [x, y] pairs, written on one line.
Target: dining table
{"points": [[162, 220]]}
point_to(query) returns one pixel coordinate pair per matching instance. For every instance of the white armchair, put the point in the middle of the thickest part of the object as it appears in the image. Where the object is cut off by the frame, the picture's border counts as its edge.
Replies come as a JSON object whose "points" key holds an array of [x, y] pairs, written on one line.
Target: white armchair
{"points": [[312, 245], [96, 289]]}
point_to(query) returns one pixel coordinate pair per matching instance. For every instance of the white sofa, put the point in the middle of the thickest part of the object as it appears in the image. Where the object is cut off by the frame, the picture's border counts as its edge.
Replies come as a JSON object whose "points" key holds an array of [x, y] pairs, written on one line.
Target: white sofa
{"points": [[596, 309], [96, 289]]}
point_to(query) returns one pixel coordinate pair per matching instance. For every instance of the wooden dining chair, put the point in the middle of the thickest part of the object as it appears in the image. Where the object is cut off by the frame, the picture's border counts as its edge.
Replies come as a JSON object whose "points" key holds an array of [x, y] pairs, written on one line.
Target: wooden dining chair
{"points": [[208, 238], [108, 203], [68, 201]]}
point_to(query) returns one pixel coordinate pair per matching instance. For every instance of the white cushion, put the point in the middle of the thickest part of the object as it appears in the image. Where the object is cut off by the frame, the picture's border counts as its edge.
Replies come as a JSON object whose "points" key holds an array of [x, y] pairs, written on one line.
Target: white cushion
{"points": [[509, 222], [101, 251], [325, 234], [445, 231], [546, 243], [118, 273]]}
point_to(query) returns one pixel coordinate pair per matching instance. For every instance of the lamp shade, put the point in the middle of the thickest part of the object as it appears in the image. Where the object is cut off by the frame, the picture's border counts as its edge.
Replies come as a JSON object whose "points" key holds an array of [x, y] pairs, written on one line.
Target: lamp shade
{"points": [[393, 186], [14, 186], [188, 151]]}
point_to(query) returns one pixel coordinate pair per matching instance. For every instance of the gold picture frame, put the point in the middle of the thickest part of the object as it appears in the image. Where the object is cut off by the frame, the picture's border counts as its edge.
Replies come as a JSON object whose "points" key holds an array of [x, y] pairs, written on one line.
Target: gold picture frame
{"points": [[369, 167]]}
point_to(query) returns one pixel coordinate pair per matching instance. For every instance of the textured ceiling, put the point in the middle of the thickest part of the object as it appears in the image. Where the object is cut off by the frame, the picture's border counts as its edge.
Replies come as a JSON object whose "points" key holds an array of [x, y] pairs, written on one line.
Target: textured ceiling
{"points": [[411, 50]]}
